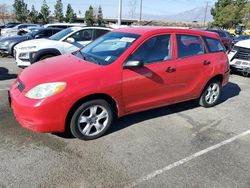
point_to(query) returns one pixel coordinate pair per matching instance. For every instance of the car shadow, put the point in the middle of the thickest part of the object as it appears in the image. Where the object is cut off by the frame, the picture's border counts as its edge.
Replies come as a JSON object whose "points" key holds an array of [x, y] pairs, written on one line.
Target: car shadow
{"points": [[231, 90], [4, 74]]}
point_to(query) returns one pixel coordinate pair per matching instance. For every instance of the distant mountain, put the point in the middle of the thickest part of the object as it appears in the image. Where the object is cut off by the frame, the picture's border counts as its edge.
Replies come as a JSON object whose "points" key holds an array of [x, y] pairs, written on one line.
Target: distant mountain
{"points": [[196, 14]]}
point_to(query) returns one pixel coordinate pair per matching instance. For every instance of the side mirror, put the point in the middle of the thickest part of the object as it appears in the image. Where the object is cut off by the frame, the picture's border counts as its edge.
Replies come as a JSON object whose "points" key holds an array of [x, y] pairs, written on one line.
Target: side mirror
{"points": [[133, 64], [70, 40]]}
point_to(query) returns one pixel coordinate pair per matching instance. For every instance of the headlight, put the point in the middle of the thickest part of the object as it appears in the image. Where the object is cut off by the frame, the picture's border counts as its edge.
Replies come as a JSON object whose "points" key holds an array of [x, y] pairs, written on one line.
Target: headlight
{"points": [[6, 43], [45, 90], [28, 48], [24, 56]]}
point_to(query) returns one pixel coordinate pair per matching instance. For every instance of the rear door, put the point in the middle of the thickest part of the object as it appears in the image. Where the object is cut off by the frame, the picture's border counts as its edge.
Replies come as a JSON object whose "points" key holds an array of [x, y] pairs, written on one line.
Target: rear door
{"points": [[192, 65]]}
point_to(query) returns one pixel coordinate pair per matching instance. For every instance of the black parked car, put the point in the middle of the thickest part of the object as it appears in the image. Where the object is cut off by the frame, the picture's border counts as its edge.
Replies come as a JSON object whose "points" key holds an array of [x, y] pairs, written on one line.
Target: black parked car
{"points": [[7, 44]]}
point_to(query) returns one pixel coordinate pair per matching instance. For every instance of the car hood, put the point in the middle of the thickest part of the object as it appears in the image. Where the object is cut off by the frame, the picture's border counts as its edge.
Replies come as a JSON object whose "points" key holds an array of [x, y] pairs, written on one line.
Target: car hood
{"points": [[57, 69], [243, 43], [35, 42], [14, 38]]}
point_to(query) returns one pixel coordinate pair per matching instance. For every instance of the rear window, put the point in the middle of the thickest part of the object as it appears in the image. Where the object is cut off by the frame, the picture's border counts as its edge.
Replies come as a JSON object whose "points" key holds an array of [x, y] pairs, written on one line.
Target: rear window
{"points": [[189, 45], [214, 45]]}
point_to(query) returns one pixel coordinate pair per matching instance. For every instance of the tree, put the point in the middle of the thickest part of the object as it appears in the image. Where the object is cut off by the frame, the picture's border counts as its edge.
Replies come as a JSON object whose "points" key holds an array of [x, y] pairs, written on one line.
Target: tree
{"points": [[227, 13], [44, 12], [4, 12], [70, 16], [245, 13], [58, 11], [21, 11], [33, 16], [99, 16], [89, 16]]}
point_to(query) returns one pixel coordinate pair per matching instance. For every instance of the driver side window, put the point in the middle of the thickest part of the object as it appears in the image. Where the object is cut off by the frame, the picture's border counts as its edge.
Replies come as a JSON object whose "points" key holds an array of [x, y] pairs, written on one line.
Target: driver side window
{"points": [[155, 49], [83, 35]]}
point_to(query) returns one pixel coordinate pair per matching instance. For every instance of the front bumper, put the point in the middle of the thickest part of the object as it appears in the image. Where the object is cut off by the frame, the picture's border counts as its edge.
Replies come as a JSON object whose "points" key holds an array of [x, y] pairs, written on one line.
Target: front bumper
{"points": [[21, 63], [240, 65], [37, 115]]}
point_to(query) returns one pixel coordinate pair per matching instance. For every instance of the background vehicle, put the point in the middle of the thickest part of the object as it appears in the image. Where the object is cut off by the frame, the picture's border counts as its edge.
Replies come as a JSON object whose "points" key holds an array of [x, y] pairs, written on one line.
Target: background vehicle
{"points": [[8, 25], [7, 43], [123, 72], [64, 25], [239, 57], [226, 38], [66, 41], [14, 30], [240, 38]]}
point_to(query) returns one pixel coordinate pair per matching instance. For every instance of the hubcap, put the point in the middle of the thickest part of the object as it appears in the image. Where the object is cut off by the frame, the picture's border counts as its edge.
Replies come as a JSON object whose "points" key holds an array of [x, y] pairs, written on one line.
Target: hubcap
{"points": [[212, 93], [93, 120]]}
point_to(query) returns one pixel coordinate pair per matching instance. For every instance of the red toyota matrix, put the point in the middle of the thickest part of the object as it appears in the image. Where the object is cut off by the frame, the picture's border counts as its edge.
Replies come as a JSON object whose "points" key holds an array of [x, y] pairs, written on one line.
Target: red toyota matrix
{"points": [[123, 72]]}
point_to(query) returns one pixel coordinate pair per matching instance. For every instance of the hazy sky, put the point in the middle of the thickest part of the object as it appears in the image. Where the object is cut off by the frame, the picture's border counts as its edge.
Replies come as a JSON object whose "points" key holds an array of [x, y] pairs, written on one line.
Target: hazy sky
{"points": [[110, 7]]}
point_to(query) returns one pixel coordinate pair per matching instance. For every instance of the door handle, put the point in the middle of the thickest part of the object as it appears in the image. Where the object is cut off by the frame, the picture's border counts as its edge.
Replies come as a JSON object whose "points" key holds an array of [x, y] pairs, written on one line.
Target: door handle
{"points": [[206, 62], [171, 69]]}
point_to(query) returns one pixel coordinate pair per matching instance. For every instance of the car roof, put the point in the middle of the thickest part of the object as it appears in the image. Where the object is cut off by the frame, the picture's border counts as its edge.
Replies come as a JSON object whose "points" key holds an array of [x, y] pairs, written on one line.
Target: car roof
{"points": [[153, 29]]}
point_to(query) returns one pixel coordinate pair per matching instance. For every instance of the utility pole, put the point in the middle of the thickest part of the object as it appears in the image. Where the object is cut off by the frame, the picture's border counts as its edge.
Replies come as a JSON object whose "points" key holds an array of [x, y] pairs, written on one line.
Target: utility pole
{"points": [[140, 12], [205, 16], [120, 12]]}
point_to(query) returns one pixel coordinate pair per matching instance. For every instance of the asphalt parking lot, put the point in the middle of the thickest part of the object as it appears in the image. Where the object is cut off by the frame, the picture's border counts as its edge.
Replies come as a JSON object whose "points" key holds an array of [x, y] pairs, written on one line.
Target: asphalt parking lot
{"points": [[183, 145]]}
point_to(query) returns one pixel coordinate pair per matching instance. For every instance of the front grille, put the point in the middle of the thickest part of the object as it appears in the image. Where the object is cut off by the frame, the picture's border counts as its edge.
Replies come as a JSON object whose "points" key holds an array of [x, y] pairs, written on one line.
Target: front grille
{"points": [[243, 53], [20, 85]]}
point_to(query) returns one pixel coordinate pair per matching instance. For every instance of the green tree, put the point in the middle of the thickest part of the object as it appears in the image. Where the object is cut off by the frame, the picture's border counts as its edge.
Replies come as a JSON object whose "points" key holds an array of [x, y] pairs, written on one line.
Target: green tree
{"points": [[33, 16], [227, 13], [89, 16], [70, 16], [44, 12], [245, 13], [99, 16], [58, 11], [21, 11]]}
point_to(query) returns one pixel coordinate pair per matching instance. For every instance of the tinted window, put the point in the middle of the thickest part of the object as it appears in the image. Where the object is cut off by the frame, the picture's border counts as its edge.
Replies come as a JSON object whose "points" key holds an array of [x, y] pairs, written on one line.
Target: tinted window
{"points": [[189, 46], [153, 50], [214, 45], [100, 32], [83, 35]]}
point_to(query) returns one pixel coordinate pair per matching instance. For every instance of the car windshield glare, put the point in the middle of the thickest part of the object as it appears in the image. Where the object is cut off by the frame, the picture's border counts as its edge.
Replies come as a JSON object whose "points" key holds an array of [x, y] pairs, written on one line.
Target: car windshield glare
{"points": [[106, 49], [61, 34]]}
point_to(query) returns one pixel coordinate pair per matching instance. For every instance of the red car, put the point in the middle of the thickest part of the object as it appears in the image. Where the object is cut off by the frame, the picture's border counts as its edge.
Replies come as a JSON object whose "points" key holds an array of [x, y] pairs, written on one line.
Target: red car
{"points": [[123, 72]]}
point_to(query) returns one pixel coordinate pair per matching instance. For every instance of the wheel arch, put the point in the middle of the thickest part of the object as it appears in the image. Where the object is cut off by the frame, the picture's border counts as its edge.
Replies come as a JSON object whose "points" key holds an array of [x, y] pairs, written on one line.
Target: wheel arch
{"points": [[43, 52], [106, 97], [218, 77]]}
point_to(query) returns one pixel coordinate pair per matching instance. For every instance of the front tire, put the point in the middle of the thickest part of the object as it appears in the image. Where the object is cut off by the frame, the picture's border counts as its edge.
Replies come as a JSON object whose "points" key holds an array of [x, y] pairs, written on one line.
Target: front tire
{"points": [[210, 94], [91, 119], [45, 57]]}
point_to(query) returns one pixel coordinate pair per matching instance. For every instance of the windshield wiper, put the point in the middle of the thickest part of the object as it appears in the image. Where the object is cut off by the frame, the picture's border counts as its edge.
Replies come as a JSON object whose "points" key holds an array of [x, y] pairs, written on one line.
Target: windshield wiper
{"points": [[90, 58]]}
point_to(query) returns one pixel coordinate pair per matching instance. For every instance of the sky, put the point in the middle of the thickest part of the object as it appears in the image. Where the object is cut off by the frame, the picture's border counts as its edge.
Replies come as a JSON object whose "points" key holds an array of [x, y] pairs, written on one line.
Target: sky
{"points": [[110, 7]]}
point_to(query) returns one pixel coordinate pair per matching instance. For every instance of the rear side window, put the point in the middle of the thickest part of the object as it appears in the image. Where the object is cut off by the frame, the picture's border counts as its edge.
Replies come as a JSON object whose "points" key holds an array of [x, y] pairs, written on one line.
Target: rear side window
{"points": [[189, 45], [100, 32], [214, 45]]}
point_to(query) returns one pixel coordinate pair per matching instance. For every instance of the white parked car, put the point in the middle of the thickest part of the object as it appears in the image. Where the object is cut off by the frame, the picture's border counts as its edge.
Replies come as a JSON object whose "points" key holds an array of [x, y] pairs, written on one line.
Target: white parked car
{"points": [[65, 41], [64, 25], [239, 57]]}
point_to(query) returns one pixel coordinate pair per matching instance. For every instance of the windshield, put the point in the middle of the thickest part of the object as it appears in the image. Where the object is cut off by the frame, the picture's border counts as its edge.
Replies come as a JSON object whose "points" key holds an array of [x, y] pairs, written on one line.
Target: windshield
{"points": [[106, 49], [62, 34]]}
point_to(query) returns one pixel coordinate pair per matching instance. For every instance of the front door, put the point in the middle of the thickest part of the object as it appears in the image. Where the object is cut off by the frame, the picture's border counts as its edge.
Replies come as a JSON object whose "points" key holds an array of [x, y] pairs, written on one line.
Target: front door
{"points": [[149, 86]]}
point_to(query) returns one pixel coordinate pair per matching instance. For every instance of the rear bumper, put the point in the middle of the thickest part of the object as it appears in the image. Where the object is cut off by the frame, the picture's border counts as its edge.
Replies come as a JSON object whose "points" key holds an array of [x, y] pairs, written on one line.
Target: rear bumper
{"points": [[226, 78]]}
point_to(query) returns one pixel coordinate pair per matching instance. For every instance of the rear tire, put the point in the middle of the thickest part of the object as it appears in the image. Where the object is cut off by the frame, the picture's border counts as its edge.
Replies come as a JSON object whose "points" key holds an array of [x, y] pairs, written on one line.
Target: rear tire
{"points": [[91, 119], [210, 94]]}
